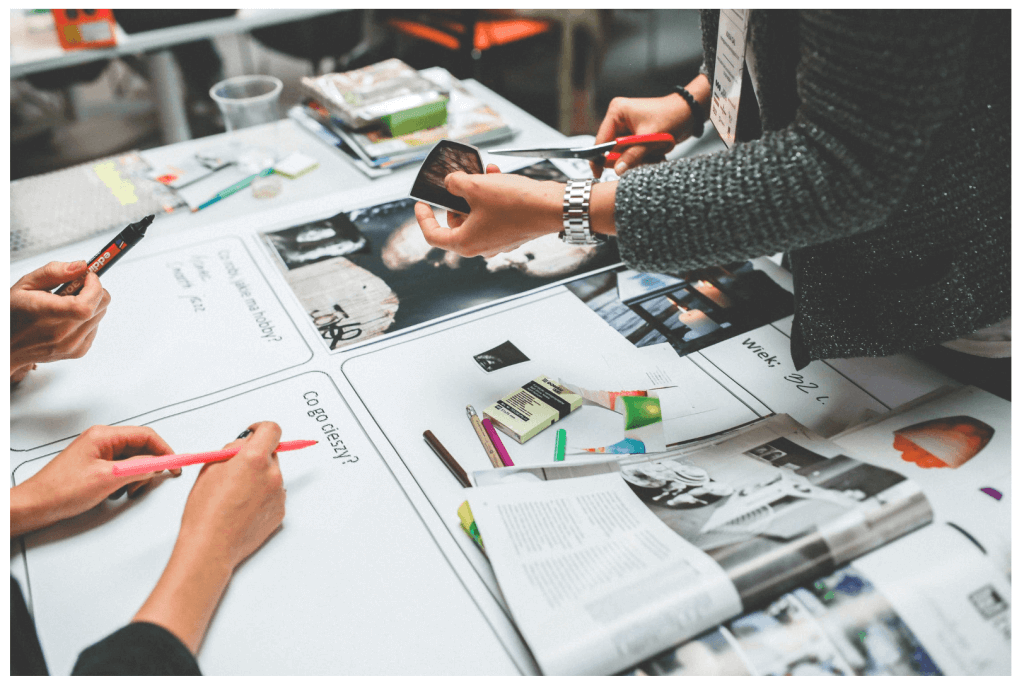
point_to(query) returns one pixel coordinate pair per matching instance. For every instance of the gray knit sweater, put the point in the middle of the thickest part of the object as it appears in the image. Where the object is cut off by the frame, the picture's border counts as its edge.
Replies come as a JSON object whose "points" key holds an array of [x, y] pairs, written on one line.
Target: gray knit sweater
{"points": [[883, 169]]}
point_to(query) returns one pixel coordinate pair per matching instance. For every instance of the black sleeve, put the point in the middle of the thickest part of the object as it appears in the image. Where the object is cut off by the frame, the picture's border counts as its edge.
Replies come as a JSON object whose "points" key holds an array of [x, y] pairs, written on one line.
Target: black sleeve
{"points": [[141, 648], [26, 655]]}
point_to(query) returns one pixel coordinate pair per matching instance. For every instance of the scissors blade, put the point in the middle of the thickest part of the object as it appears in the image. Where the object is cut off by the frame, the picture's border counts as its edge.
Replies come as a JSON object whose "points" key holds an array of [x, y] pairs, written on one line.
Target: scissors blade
{"points": [[554, 152]]}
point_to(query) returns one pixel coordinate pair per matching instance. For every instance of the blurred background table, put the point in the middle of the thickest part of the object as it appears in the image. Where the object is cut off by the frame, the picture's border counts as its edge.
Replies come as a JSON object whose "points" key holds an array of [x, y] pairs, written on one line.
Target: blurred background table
{"points": [[94, 103], [37, 51]]}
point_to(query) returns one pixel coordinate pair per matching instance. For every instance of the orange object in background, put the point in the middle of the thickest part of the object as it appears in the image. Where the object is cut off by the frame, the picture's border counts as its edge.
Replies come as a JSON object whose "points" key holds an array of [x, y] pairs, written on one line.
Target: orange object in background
{"points": [[84, 28], [486, 34]]}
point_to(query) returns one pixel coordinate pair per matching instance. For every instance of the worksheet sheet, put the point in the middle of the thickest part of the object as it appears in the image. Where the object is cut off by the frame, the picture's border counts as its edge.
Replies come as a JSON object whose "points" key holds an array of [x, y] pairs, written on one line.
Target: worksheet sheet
{"points": [[182, 324], [424, 381], [352, 573]]}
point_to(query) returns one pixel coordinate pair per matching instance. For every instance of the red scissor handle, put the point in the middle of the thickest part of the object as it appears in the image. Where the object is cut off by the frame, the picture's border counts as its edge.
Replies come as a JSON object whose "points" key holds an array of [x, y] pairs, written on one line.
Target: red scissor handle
{"points": [[628, 141]]}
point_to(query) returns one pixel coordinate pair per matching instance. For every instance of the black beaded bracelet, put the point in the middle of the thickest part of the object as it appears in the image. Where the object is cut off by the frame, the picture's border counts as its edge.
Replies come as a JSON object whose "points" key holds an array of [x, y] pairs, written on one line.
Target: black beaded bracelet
{"points": [[695, 109]]}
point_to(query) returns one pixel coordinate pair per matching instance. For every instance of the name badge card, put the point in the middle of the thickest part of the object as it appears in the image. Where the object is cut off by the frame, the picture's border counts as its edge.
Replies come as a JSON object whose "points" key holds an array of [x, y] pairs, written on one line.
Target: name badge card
{"points": [[729, 65]]}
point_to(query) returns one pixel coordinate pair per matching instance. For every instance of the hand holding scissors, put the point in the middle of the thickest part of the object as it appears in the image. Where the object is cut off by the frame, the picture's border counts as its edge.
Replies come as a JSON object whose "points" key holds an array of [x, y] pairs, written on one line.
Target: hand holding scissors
{"points": [[608, 153]]}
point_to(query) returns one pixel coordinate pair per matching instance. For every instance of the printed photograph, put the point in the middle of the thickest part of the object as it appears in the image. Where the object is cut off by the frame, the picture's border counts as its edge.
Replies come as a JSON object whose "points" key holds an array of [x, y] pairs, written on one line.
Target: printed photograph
{"points": [[499, 357], [391, 279], [839, 626], [691, 311], [739, 506], [316, 241], [444, 159], [949, 442]]}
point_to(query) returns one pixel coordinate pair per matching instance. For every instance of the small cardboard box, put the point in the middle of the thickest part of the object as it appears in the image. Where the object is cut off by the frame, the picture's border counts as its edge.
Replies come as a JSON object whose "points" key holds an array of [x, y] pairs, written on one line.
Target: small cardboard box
{"points": [[532, 408]]}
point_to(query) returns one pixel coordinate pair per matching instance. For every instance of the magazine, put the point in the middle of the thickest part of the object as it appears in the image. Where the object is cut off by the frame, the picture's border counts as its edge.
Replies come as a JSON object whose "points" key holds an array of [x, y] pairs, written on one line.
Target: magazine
{"points": [[469, 120], [904, 609], [956, 446], [604, 565], [360, 98]]}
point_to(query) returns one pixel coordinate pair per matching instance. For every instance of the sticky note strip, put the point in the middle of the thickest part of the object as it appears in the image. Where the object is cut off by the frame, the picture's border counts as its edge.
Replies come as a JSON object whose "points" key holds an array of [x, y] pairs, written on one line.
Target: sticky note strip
{"points": [[295, 164]]}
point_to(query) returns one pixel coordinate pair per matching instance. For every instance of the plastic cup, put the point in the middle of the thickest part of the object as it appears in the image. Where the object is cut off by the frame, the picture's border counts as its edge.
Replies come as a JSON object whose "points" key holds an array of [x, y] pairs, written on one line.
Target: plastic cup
{"points": [[245, 101]]}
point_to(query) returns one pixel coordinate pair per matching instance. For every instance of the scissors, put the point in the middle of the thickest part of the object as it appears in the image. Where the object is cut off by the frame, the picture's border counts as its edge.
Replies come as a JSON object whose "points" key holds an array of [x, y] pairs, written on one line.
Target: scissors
{"points": [[609, 151]]}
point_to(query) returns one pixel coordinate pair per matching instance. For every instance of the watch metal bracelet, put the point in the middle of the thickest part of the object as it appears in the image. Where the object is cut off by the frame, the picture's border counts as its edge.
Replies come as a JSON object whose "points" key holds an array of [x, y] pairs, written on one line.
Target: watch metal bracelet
{"points": [[576, 214]]}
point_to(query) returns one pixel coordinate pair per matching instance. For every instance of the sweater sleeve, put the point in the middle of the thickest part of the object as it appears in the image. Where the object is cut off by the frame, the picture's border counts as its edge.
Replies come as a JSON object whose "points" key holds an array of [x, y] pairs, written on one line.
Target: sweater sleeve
{"points": [[141, 648], [874, 88]]}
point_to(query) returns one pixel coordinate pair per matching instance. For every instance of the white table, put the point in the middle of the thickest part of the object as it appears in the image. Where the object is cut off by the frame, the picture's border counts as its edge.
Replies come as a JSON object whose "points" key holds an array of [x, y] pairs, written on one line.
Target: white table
{"points": [[331, 187], [248, 630], [320, 192], [34, 52]]}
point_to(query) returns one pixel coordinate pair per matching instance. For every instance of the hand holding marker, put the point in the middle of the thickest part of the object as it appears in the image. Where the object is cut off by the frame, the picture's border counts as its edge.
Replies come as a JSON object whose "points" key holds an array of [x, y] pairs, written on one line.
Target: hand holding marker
{"points": [[111, 253], [163, 463]]}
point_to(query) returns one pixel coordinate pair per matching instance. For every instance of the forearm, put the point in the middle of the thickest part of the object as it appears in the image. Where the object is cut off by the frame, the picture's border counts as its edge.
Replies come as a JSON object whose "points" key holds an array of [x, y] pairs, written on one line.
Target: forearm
{"points": [[187, 594], [30, 509], [19, 362], [602, 208], [839, 169]]}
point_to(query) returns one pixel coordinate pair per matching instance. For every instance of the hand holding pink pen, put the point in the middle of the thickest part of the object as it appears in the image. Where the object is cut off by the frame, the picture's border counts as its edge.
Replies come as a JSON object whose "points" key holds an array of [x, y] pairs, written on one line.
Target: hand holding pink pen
{"points": [[170, 461]]}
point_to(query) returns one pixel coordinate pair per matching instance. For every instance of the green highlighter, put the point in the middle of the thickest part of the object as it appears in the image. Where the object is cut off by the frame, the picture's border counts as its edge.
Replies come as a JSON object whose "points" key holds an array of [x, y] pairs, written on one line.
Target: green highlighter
{"points": [[560, 445]]}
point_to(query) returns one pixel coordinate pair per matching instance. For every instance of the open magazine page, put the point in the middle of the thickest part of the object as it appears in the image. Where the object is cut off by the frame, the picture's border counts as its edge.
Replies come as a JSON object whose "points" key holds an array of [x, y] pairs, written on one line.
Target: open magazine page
{"points": [[905, 609], [594, 582], [774, 505], [957, 448]]}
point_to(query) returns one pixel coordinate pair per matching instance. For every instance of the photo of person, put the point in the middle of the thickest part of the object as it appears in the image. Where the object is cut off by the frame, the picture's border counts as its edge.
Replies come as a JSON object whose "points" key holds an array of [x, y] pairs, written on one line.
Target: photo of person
{"points": [[444, 159]]}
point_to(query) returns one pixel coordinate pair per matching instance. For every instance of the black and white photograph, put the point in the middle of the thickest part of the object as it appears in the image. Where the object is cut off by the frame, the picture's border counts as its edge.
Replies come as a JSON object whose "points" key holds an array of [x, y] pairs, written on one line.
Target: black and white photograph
{"points": [[500, 356], [395, 280], [316, 241], [738, 505]]}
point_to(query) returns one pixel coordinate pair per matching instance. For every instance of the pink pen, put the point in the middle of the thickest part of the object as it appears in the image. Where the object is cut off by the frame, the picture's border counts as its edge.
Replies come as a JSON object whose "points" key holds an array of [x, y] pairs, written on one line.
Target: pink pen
{"points": [[166, 463], [496, 441]]}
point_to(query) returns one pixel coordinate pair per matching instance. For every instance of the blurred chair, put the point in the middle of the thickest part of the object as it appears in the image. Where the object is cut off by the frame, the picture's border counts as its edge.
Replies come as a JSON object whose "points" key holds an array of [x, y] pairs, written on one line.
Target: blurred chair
{"points": [[338, 36], [466, 35]]}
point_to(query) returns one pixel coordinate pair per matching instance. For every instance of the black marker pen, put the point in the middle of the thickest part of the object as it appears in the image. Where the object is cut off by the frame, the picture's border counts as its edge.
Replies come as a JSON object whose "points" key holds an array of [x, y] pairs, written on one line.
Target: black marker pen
{"points": [[117, 247]]}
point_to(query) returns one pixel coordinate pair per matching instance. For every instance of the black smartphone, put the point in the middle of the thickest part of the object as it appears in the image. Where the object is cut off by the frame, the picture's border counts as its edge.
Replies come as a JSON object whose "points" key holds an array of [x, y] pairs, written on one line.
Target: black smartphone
{"points": [[445, 158]]}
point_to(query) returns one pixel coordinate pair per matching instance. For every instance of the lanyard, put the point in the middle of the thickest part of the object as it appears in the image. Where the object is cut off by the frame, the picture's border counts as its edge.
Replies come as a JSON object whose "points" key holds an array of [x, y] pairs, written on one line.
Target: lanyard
{"points": [[730, 58]]}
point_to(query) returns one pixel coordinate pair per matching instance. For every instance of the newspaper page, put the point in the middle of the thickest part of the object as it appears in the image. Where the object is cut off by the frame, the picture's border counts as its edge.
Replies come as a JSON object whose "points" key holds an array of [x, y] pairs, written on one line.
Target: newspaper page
{"points": [[594, 582], [905, 609], [774, 504]]}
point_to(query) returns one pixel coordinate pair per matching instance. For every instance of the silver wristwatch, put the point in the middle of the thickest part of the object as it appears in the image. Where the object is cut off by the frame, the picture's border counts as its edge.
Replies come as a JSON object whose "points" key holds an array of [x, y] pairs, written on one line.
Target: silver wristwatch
{"points": [[576, 215]]}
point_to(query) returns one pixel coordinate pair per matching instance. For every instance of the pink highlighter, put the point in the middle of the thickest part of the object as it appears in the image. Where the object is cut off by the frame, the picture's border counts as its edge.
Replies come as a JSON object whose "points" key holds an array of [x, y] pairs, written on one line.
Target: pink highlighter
{"points": [[166, 463], [496, 441]]}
